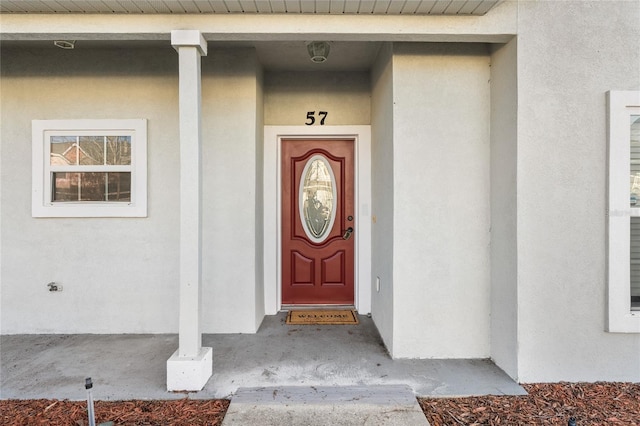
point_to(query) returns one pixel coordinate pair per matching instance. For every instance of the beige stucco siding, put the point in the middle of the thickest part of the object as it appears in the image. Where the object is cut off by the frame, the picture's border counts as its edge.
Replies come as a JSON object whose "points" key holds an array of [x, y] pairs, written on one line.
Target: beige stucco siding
{"points": [[488, 176], [441, 200], [118, 275], [230, 152], [504, 213], [569, 55], [290, 95], [110, 268], [382, 189]]}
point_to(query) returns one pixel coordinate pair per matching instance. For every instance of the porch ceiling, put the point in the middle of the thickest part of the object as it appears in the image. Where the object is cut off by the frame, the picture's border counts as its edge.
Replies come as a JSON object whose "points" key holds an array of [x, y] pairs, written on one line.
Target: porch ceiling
{"points": [[278, 30], [272, 55], [338, 7]]}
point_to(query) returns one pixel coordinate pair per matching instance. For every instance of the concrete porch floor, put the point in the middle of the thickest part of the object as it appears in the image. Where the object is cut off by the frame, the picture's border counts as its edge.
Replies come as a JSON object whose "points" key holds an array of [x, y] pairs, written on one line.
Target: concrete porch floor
{"points": [[134, 366]]}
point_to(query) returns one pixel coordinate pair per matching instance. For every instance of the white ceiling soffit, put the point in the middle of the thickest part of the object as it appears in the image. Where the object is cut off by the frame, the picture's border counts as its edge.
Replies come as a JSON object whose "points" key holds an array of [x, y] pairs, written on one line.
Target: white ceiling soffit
{"points": [[337, 7]]}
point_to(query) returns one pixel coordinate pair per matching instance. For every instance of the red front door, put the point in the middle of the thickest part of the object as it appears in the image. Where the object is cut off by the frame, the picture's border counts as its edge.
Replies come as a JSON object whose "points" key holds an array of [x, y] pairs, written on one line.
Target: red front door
{"points": [[317, 222]]}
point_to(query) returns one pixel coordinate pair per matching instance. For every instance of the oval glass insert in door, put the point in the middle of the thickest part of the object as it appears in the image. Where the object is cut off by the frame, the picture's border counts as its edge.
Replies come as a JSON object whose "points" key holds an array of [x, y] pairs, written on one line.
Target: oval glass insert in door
{"points": [[317, 198]]}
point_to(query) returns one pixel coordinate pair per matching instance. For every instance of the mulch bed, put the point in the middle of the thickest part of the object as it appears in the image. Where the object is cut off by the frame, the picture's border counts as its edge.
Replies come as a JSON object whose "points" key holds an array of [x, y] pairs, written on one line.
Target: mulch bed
{"points": [[183, 412], [547, 404]]}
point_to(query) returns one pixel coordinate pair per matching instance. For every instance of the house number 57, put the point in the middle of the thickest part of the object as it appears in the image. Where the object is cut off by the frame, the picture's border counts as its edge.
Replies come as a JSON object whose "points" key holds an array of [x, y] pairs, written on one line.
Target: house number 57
{"points": [[311, 117]]}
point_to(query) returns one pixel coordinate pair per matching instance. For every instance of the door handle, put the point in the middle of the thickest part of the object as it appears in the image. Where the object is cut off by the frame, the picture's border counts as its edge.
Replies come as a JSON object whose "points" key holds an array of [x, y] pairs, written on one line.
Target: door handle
{"points": [[347, 233]]}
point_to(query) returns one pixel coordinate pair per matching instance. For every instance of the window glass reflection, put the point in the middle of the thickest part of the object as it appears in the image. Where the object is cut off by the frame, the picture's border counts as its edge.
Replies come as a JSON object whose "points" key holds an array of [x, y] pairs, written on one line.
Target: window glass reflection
{"points": [[317, 197], [118, 150], [91, 186], [635, 263], [635, 161], [64, 150]]}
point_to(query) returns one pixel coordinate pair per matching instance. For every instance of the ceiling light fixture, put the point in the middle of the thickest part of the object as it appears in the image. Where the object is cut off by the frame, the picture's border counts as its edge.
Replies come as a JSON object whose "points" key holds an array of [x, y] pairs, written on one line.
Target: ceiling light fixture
{"points": [[65, 44], [318, 51]]}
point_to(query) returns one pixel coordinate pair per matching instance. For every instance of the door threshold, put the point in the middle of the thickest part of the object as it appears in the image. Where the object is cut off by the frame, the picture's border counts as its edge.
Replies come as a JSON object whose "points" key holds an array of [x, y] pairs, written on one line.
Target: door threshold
{"points": [[286, 308]]}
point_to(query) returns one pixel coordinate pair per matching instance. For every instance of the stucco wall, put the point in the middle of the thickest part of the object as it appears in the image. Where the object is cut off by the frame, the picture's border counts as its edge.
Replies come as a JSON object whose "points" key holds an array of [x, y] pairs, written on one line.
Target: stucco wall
{"points": [[121, 275], [441, 113], [230, 156], [569, 54], [382, 193], [289, 95], [118, 275], [260, 205], [446, 288], [504, 171]]}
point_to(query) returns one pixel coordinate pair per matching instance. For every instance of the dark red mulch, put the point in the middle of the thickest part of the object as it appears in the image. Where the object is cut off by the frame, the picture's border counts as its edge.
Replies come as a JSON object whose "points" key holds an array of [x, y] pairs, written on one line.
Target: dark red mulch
{"points": [[181, 412], [547, 404]]}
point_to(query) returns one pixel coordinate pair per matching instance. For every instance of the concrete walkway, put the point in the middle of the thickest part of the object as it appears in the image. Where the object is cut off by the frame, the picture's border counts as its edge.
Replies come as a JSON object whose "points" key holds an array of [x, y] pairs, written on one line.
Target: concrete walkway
{"points": [[278, 356], [318, 406]]}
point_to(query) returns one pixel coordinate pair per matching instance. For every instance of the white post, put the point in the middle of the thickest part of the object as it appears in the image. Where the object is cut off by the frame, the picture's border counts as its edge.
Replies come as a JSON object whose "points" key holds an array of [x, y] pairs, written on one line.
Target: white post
{"points": [[191, 365]]}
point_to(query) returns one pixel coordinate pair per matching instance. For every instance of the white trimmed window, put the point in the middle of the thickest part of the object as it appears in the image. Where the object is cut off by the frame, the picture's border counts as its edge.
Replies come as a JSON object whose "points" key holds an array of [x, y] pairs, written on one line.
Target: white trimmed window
{"points": [[89, 168], [623, 254]]}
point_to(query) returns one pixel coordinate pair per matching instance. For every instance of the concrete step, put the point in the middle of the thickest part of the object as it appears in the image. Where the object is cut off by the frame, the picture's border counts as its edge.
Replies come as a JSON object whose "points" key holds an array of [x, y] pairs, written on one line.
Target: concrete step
{"points": [[327, 405]]}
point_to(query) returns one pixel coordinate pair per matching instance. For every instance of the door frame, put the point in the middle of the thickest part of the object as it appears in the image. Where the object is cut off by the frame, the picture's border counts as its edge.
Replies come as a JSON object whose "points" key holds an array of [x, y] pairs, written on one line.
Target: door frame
{"points": [[272, 224]]}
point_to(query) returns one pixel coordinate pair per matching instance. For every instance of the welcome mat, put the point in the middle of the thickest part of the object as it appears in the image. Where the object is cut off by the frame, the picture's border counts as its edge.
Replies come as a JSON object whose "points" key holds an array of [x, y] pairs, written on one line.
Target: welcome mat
{"points": [[317, 317]]}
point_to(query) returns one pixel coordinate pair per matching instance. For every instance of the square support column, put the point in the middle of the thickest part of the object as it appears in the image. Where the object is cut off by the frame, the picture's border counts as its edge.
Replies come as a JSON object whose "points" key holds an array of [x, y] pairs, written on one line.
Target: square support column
{"points": [[191, 366]]}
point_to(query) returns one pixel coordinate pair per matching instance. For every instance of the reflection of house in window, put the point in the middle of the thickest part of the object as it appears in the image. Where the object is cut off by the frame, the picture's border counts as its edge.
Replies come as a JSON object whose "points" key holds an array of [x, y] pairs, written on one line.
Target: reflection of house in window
{"points": [[73, 154], [74, 151], [89, 168], [69, 156], [89, 186]]}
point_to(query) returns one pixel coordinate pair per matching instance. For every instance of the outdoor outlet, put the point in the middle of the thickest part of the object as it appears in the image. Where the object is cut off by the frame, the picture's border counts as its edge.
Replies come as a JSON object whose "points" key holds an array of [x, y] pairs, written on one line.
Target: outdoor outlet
{"points": [[378, 284], [54, 287]]}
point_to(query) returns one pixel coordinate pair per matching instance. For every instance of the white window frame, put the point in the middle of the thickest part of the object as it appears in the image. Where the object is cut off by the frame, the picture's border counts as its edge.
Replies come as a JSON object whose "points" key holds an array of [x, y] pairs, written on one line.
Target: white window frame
{"points": [[621, 319], [41, 202]]}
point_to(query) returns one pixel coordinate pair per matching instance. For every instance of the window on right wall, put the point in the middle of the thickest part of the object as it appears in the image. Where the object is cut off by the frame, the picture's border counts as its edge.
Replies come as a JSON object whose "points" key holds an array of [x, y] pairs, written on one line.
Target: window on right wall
{"points": [[623, 250]]}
